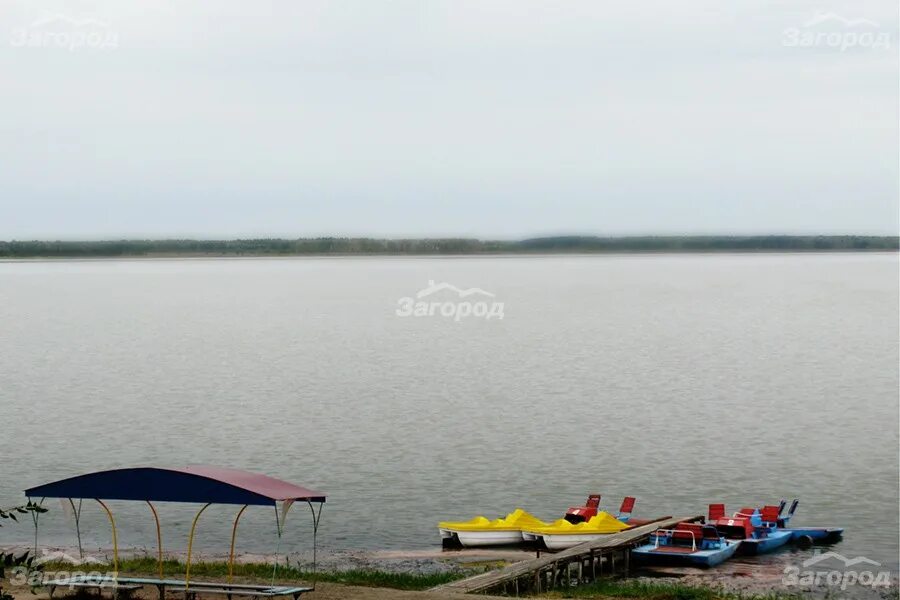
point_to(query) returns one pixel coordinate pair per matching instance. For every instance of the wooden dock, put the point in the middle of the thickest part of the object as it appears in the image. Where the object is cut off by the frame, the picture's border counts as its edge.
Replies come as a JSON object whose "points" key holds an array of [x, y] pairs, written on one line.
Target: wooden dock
{"points": [[604, 557]]}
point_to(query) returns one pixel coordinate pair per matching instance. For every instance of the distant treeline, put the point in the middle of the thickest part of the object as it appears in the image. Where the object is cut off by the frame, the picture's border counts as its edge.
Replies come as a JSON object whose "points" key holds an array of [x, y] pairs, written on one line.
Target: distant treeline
{"points": [[333, 245]]}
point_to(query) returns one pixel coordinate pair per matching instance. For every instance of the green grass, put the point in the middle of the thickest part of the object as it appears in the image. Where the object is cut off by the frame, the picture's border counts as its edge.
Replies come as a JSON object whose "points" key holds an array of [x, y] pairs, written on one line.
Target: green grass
{"points": [[618, 588], [262, 571]]}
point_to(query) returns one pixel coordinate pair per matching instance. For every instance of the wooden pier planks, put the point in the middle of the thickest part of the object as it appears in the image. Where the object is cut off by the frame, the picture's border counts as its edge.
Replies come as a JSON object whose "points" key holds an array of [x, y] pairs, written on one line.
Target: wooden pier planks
{"points": [[606, 546]]}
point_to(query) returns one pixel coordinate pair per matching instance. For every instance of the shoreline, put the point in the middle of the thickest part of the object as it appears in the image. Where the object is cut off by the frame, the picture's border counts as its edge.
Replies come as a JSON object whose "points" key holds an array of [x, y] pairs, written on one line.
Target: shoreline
{"points": [[399, 568], [473, 255], [446, 246], [415, 561]]}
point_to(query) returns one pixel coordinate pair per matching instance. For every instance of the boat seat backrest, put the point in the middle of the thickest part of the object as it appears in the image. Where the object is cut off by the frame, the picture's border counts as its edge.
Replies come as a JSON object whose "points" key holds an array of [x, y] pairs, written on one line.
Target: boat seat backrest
{"points": [[627, 505], [769, 514], [593, 501], [686, 533], [716, 512], [710, 533], [734, 528]]}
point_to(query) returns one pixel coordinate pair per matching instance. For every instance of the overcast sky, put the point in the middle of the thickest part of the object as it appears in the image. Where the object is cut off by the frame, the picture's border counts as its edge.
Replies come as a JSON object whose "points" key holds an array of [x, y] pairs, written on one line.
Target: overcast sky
{"points": [[460, 117]]}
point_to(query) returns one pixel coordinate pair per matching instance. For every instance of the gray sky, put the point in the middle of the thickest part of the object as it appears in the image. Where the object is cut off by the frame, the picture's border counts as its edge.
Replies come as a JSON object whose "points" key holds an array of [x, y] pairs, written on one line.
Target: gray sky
{"points": [[461, 117]]}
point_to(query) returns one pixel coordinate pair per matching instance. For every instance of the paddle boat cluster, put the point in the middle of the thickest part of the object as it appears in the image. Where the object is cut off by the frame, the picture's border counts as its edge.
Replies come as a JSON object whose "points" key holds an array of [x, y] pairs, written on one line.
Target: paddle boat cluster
{"points": [[705, 544], [580, 524]]}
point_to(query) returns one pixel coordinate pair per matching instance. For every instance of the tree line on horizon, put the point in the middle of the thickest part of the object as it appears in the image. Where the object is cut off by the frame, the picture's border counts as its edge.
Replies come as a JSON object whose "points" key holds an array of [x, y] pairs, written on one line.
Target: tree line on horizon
{"points": [[438, 246]]}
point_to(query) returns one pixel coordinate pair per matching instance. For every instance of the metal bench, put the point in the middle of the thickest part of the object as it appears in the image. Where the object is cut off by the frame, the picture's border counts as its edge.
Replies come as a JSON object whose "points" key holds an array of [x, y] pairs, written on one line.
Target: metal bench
{"points": [[270, 592], [119, 590], [190, 589]]}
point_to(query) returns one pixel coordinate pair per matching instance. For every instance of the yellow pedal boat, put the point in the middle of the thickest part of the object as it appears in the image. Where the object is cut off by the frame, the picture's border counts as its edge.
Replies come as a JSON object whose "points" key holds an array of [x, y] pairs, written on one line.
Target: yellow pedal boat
{"points": [[562, 534], [481, 531]]}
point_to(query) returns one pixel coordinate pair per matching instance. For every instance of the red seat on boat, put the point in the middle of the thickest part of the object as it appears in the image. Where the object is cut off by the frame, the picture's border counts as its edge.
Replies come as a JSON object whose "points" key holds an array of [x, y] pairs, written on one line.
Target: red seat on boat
{"points": [[716, 512], [769, 514], [687, 533], [745, 512], [627, 506], [734, 527], [580, 514]]}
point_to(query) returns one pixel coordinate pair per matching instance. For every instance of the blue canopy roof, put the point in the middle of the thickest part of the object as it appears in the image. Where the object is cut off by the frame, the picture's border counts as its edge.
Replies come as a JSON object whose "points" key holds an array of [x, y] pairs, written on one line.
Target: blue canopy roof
{"points": [[191, 484]]}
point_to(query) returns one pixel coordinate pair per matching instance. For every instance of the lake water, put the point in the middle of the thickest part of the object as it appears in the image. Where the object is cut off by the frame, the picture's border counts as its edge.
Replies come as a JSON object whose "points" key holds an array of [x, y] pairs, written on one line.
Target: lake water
{"points": [[680, 379]]}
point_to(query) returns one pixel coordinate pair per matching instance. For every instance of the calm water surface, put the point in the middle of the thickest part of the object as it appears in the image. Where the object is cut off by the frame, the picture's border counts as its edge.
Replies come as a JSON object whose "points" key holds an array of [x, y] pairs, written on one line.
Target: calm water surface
{"points": [[681, 380]]}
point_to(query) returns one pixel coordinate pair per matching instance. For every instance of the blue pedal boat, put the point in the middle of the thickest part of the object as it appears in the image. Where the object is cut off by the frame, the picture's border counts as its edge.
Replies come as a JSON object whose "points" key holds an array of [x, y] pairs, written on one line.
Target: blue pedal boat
{"points": [[807, 536], [688, 544], [757, 530]]}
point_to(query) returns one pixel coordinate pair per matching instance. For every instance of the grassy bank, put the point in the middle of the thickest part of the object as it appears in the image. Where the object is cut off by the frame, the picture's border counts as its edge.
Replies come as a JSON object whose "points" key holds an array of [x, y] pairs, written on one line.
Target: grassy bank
{"points": [[606, 589], [263, 572]]}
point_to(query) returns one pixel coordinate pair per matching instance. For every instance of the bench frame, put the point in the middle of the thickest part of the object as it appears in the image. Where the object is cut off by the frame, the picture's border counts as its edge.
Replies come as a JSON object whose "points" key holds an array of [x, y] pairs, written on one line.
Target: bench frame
{"points": [[190, 589]]}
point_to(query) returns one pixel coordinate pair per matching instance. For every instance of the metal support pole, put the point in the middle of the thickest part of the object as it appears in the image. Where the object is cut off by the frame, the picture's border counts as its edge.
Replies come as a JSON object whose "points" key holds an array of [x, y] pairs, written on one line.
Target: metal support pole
{"points": [[115, 540], [277, 544], [233, 535], [159, 546], [34, 519], [77, 513], [316, 516], [187, 569]]}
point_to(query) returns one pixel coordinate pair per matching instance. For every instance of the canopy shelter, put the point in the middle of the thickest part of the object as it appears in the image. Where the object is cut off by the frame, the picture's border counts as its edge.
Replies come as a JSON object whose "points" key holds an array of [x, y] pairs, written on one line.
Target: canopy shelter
{"points": [[196, 484]]}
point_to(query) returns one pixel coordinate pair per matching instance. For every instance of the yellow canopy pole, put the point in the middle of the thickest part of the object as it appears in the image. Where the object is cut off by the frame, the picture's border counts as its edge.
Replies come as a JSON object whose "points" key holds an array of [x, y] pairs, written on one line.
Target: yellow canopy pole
{"points": [[159, 550], [115, 540], [233, 535], [187, 570]]}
